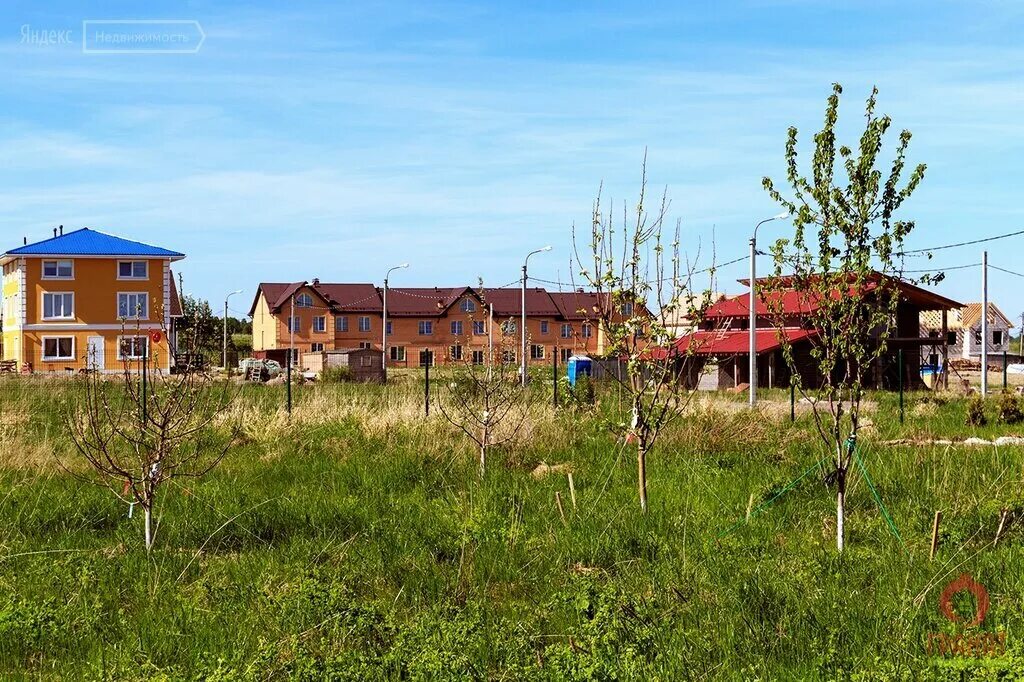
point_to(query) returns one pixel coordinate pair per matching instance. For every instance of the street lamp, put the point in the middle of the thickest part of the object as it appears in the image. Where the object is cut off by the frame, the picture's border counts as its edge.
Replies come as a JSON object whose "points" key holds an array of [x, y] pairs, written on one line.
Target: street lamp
{"points": [[238, 291], [752, 391], [384, 316], [523, 314]]}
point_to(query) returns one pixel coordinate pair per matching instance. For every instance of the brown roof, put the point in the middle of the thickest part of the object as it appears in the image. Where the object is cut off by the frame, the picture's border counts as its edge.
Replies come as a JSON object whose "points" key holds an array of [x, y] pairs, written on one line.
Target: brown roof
{"points": [[276, 293], [357, 298], [577, 305], [174, 307], [422, 301], [508, 302]]}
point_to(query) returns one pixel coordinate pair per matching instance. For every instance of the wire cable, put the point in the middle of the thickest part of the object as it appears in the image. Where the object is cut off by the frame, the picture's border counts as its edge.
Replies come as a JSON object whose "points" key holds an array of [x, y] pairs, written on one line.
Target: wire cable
{"points": [[959, 244]]}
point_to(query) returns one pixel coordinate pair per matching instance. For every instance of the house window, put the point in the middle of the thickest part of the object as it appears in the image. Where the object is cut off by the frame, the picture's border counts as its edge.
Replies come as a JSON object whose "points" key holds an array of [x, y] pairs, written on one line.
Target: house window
{"points": [[997, 337], [457, 327], [455, 352], [58, 269], [364, 324], [133, 269], [951, 338], [508, 356], [587, 331], [478, 328], [303, 301], [365, 344], [341, 324], [389, 328], [626, 309], [508, 327], [58, 306], [397, 353], [536, 352], [132, 347], [294, 355], [977, 337], [294, 324], [478, 357], [565, 353], [316, 347], [566, 331], [543, 326], [426, 358], [320, 324], [467, 306], [365, 361], [133, 306], [426, 327], [58, 347]]}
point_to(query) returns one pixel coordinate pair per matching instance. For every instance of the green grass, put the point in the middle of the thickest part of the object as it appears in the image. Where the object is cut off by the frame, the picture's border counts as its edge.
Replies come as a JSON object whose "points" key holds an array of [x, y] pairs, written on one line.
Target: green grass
{"points": [[357, 542]]}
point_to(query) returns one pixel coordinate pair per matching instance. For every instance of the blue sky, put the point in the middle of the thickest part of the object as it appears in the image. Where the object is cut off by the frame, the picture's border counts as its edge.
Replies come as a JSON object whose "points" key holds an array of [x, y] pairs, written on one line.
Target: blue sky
{"points": [[334, 140]]}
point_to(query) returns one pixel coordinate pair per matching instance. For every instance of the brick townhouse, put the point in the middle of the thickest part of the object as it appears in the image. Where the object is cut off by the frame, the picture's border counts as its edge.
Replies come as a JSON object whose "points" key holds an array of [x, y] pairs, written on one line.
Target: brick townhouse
{"points": [[440, 325]]}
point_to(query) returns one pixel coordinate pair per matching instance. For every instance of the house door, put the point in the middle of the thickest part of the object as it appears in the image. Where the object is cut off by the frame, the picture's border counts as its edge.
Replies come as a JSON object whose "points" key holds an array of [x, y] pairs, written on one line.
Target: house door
{"points": [[94, 359]]}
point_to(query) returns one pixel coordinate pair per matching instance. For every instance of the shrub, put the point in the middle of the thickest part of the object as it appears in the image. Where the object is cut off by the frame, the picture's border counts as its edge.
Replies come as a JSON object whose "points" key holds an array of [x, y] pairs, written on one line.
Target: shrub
{"points": [[976, 411], [1009, 409], [579, 396], [336, 375]]}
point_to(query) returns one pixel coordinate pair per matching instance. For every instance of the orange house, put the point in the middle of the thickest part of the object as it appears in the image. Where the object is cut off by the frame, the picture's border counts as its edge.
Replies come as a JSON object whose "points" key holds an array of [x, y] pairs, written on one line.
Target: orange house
{"points": [[88, 300]]}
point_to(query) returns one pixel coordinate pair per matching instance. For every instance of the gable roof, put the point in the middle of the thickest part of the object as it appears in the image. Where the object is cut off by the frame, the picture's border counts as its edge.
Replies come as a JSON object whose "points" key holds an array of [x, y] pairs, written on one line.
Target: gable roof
{"points": [[351, 298], [174, 308], [577, 305], [276, 293], [86, 242], [423, 301], [509, 302], [966, 317]]}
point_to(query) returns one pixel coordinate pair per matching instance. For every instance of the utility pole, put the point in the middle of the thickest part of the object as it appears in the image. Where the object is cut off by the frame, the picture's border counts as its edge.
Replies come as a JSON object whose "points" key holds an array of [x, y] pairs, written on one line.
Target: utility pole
{"points": [[522, 370], [984, 323], [752, 304], [291, 350], [384, 316], [228, 371]]}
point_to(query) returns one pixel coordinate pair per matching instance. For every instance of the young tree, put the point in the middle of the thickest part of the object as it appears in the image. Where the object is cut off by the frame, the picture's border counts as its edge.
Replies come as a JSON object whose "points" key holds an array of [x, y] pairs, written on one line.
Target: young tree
{"points": [[631, 268], [145, 427], [845, 251]]}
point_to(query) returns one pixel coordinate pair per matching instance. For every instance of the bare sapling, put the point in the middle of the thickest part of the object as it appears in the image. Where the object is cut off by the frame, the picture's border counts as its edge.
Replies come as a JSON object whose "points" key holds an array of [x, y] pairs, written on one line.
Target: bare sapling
{"points": [[143, 426], [642, 288], [842, 264]]}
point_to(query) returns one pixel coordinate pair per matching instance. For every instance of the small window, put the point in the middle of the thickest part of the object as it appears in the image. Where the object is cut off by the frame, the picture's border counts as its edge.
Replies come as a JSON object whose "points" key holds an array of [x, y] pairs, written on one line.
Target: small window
{"points": [[508, 356], [565, 354], [478, 328], [426, 358], [977, 337], [478, 357], [951, 338], [426, 327], [58, 269], [626, 309], [365, 344], [536, 352], [303, 301], [390, 328], [997, 337], [133, 306], [508, 327], [455, 352], [365, 361], [341, 324], [132, 347], [364, 324], [457, 327], [59, 348], [397, 353], [294, 324], [566, 331], [58, 306], [587, 331], [543, 326], [133, 269], [320, 324], [316, 347], [467, 306]]}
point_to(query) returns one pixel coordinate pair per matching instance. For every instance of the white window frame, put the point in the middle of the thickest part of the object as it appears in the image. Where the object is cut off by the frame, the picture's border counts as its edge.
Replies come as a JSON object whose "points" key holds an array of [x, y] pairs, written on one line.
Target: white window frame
{"points": [[543, 326], [316, 348], [364, 323], [135, 338], [427, 325], [341, 323], [68, 316], [396, 353], [365, 345], [479, 324], [566, 331], [295, 324], [467, 305], [455, 352], [456, 327], [320, 320], [536, 351], [509, 327], [477, 357], [145, 311], [57, 267], [54, 358], [626, 309], [145, 263], [586, 331], [303, 300], [365, 361]]}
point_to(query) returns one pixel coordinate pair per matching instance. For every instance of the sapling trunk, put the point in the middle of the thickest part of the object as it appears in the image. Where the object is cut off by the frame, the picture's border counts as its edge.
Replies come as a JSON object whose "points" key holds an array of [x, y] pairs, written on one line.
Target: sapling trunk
{"points": [[148, 513], [840, 507], [641, 473]]}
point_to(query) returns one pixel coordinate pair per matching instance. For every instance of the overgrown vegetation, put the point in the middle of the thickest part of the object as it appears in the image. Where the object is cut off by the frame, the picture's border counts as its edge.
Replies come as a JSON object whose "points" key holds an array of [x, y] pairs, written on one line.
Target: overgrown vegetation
{"points": [[356, 541]]}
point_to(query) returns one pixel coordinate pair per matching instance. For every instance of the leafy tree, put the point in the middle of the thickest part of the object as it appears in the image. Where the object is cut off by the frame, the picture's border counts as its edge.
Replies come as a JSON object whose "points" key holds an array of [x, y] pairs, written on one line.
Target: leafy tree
{"points": [[198, 328], [845, 252]]}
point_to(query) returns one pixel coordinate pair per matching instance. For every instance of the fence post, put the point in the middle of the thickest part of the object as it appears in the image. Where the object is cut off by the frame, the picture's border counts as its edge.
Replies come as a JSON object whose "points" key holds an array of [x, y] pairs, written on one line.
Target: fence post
{"points": [[554, 378], [426, 384], [792, 401], [145, 358], [288, 381], [900, 362], [1004, 370]]}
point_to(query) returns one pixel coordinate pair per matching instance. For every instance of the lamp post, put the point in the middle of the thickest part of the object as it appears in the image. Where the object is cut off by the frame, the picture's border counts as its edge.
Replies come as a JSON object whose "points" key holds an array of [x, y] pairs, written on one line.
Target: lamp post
{"points": [[384, 316], [523, 315], [752, 391], [237, 291]]}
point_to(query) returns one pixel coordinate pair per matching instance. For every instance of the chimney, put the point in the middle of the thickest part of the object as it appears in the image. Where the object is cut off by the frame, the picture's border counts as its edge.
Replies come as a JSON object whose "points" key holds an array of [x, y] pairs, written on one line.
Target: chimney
{"points": [[316, 281], [61, 228], [579, 290], [55, 232], [24, 241]]}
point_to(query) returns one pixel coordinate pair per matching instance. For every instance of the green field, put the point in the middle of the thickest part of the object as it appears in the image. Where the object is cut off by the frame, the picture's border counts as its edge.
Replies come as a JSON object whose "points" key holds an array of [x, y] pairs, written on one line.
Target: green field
{"points": [[355, 541]]}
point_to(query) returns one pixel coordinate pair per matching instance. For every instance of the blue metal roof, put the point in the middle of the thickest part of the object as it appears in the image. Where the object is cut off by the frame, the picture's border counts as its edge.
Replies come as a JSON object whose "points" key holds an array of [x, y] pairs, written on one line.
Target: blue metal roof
{"points": [[86, 242]]}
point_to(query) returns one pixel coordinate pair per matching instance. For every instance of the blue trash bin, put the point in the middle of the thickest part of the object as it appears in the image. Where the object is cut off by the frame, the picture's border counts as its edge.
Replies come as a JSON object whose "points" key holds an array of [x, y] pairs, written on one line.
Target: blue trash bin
{"points": [[578, 365]]}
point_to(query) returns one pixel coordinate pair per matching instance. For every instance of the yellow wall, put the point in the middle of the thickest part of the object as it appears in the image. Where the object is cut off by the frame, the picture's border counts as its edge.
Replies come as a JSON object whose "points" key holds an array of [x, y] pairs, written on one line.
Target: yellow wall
{"points": [[95, 286], [264, 326]]}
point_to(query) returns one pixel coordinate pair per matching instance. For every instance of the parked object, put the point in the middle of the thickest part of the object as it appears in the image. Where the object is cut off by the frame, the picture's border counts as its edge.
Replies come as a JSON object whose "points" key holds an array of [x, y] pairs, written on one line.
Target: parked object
{"points": [[255, 369], [1015, 369], [578, 365], [364, 364]]}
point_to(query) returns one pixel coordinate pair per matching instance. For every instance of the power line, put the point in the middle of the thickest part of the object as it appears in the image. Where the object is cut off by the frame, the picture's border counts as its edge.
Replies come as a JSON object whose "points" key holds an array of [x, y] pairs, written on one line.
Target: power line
{"points": [[952, 267], [959, 244], [1009, 272]]}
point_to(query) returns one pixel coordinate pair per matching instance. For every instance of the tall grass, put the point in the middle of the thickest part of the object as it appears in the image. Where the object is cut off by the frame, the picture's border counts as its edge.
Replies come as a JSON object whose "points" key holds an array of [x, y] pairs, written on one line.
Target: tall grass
{"points": [[355, 541]]}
